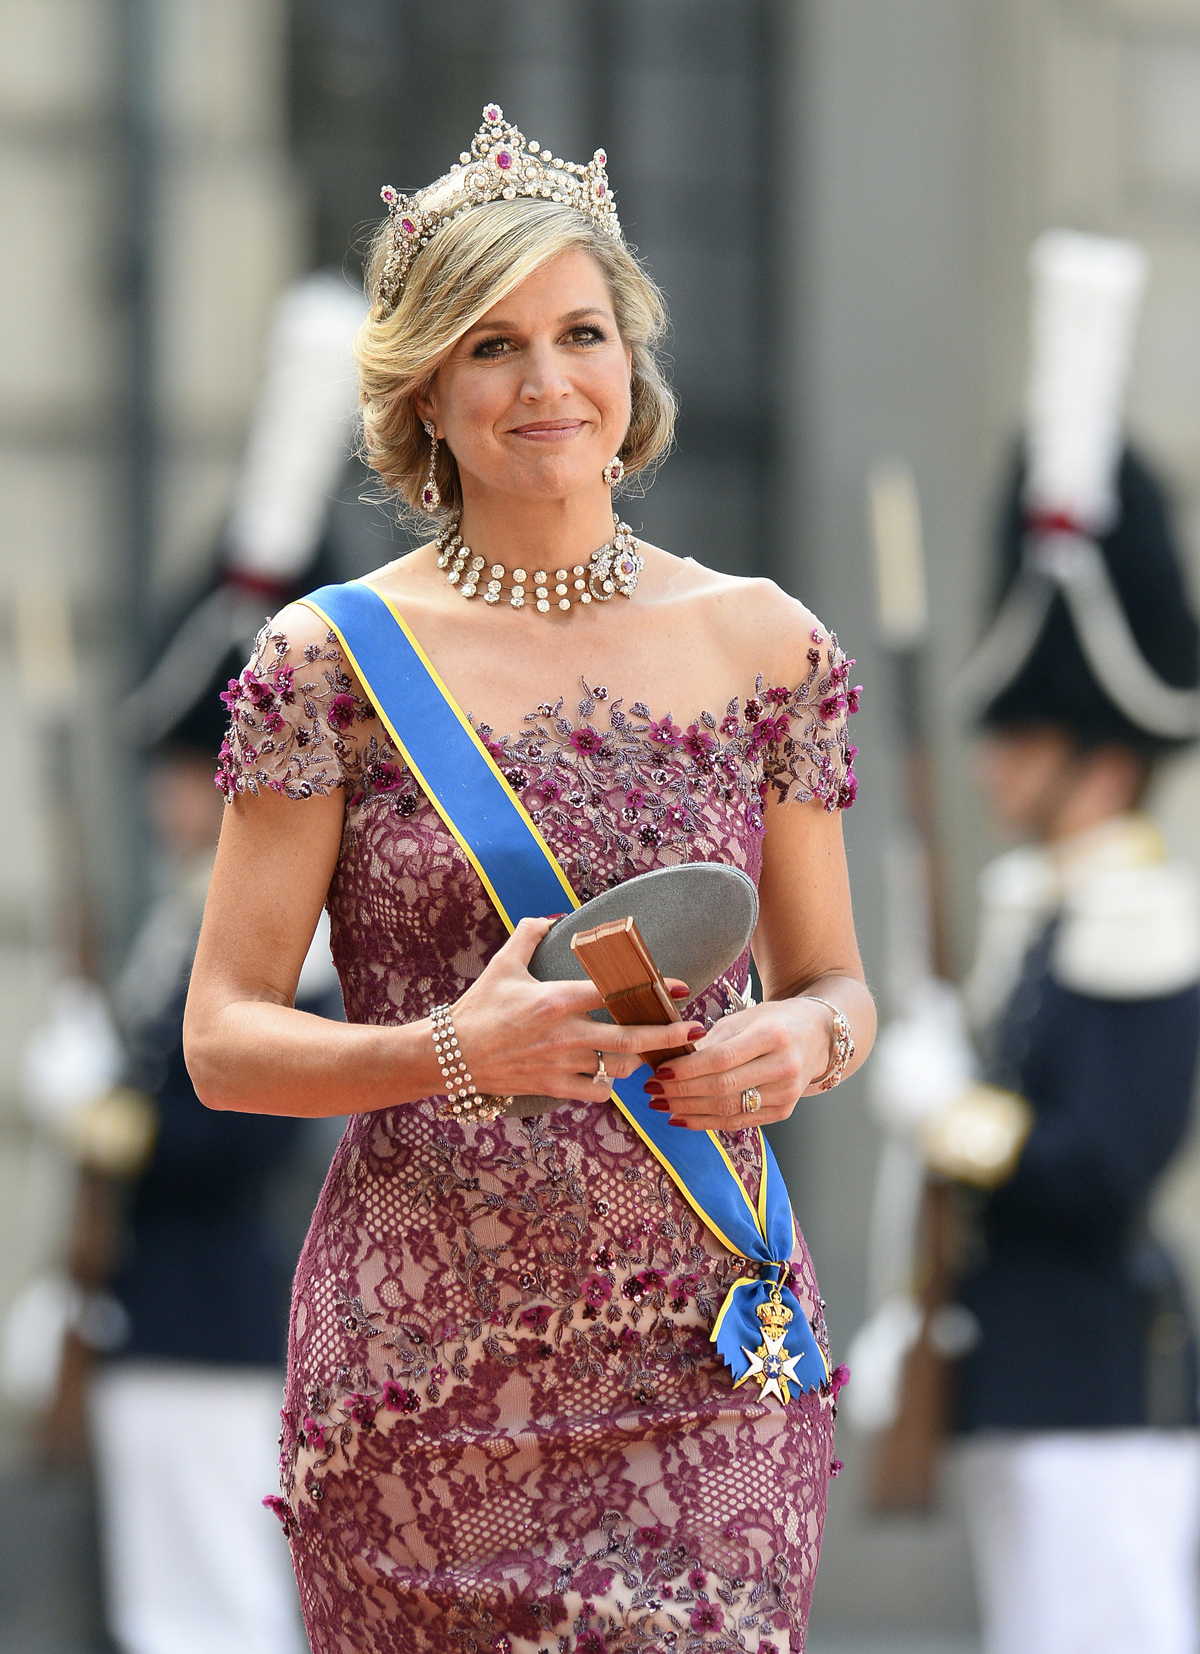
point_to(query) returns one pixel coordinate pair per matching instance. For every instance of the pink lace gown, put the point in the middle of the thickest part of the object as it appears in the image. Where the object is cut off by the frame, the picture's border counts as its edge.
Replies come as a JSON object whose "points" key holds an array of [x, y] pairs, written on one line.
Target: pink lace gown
{"points": [[505, 1427]]}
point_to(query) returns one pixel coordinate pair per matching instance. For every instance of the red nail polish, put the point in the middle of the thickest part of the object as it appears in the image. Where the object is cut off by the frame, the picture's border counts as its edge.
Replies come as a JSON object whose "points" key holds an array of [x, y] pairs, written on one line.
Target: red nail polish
{"points": [[695, 1033], [681, 993], [653, 1087], [659, 1106], [556, 915], [674, 1122], [662, 1074]]}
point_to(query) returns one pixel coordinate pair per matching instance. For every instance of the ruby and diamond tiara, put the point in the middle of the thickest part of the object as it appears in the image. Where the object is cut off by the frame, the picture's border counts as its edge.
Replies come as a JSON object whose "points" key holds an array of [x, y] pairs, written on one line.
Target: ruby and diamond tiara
{"points": [[499, 166]]}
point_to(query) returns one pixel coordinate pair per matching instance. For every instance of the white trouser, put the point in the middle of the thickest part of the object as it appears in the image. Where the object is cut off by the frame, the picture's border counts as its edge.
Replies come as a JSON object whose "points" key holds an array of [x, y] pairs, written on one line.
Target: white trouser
{"points": [[193, 1564], [1086, 1542]]}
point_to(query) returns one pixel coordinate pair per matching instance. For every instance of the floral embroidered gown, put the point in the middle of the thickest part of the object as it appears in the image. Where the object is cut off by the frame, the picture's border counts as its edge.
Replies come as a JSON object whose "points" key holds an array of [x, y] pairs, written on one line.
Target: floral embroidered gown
{"points": [[505, 1427]]}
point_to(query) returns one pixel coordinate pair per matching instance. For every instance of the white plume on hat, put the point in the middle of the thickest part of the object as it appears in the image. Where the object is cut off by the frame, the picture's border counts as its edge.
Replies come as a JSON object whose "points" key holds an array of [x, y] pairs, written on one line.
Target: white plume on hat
{"points": [[1087, 296], [299, 440], [301, 431]]}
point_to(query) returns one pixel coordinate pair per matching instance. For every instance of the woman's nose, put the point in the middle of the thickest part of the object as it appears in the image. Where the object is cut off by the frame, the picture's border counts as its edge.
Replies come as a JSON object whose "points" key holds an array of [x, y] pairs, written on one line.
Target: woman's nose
{"points": [[544, 379]]}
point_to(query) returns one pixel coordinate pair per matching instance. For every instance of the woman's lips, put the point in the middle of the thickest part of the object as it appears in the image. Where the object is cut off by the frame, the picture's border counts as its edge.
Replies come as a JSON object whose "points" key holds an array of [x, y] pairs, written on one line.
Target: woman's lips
{"points": [[550, 430]]}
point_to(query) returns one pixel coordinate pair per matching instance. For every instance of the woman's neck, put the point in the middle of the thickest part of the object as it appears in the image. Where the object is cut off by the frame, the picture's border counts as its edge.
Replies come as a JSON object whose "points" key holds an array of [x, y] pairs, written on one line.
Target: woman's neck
{"points": [[534, 534]]}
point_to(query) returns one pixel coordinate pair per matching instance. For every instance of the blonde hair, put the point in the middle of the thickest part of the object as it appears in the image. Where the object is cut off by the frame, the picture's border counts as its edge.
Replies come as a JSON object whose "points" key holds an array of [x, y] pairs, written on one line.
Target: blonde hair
{"points": [[470, 265]]}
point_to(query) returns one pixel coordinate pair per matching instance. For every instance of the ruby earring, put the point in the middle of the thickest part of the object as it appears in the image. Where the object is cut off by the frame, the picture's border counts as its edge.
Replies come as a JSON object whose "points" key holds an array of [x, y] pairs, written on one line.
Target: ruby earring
{"points": [[613, 472], [431, 499]]}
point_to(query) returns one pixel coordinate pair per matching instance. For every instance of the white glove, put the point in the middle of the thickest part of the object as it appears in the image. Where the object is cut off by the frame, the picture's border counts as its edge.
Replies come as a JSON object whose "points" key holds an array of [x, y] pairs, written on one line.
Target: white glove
{"points": [[72, 1057], [921, 1062], [69, 1072], [876, 1360]]}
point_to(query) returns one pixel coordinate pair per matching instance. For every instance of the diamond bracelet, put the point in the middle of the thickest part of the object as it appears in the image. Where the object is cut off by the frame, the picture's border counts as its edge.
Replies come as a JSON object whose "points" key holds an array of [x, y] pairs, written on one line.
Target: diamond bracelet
{"points": [[843, 1047], [463, 1101]]}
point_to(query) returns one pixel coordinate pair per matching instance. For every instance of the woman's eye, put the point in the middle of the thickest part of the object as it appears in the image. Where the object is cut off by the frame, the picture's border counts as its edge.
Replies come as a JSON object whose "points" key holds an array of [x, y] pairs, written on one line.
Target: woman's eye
{"points": [[492, 347], [586, 336]]}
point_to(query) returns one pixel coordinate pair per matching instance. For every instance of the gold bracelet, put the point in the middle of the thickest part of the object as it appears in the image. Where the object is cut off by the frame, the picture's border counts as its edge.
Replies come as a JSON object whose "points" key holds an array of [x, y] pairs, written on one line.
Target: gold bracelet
{"points": [[463, 1101], [843, 1046]]}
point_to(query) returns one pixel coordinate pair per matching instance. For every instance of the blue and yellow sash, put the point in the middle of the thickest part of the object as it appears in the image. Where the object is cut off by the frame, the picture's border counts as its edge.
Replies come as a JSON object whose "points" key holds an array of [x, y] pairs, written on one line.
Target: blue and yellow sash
{"points": [[521, 875]]}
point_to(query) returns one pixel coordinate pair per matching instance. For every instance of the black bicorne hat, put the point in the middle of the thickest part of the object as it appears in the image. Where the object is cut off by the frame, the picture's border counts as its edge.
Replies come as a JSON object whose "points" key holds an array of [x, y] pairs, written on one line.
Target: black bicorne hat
{"points": [[1094, 635]]}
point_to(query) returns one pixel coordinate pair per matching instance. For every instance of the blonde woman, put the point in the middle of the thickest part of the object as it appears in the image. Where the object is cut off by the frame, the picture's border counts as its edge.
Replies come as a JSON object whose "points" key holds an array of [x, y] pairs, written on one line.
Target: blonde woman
{"points": [[506, 1427]]}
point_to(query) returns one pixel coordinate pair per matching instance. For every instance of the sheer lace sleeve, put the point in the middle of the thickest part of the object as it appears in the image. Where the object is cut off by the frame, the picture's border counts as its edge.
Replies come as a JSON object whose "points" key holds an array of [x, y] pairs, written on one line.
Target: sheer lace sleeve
{"points": [[296, 721], [806, 739]]}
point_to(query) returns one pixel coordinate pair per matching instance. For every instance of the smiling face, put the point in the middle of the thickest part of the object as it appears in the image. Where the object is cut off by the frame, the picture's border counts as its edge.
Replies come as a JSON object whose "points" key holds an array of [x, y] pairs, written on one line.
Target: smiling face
{"points": [[534, 399]]}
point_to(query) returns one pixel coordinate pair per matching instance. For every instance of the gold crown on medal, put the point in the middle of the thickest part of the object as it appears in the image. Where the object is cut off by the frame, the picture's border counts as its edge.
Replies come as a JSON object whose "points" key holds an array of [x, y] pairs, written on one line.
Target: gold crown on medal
{"points": [[500, 166], [774, 1315]]}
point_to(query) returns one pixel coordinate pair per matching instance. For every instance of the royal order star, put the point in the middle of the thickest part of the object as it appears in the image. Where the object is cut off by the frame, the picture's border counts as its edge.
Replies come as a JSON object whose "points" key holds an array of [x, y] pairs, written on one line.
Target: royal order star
{"points": [[773, 1367]]}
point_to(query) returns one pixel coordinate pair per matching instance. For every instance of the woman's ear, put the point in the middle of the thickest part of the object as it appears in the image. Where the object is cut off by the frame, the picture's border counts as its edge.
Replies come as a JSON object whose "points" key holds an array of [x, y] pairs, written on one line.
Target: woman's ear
{"points": [[425, 410]]}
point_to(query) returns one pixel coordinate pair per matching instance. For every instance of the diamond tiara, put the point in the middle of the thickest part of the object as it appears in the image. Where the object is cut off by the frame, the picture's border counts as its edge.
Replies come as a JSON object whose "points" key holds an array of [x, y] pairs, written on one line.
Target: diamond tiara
{"points": [[500, 166]]}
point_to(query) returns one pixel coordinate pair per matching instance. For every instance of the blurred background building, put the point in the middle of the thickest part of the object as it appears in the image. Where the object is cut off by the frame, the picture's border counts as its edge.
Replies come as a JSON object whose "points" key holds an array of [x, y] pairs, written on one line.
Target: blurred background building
{"points": [[838, 197]]}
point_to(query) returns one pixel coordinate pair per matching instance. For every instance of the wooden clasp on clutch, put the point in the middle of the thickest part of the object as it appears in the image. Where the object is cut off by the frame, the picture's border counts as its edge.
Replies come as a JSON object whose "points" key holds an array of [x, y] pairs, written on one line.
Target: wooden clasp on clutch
{"points": [[622, 967]]}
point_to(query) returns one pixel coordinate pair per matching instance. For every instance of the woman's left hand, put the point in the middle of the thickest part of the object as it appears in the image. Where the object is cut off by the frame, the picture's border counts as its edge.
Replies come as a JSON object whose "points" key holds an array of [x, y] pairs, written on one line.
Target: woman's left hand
{"points": [[779, 1048]]}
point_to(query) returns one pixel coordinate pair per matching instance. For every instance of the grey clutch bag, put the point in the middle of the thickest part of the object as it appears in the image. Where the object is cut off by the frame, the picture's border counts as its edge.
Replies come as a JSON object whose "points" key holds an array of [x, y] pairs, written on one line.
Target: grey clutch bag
{"points": [[696, 920]]}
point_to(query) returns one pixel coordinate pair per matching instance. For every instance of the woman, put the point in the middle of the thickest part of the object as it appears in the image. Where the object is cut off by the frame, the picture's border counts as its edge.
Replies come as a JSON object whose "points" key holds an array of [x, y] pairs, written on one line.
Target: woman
{"points": [[506, 1427]]}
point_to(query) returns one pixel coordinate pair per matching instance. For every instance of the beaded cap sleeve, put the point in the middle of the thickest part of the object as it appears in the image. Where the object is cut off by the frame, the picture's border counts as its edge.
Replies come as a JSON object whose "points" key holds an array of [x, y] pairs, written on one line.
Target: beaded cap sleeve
{"points": [[296, 722]]}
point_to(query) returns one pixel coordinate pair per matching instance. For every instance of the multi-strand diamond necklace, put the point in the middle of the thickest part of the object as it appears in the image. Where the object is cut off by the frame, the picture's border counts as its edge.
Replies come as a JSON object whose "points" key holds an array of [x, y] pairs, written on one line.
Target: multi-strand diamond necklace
{"points": [[612, 569]]}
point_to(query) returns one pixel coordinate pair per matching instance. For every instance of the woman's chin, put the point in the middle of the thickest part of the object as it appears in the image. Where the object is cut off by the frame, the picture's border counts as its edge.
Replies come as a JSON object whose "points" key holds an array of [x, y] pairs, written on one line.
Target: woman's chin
{"points": [[551, 478]]}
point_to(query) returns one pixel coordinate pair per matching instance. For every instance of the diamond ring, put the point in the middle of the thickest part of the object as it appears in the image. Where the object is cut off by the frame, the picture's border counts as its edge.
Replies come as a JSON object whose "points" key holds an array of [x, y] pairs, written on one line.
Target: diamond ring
{"points": [[601, 1076], [751, 1100]]}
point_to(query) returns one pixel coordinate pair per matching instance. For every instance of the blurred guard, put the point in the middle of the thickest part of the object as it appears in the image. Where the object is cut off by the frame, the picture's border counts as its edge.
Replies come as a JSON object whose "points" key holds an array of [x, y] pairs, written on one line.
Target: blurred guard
{"points": [[192, 1313], [185, 1416], [287, 530], [1077, 1371], [185, 1411]]}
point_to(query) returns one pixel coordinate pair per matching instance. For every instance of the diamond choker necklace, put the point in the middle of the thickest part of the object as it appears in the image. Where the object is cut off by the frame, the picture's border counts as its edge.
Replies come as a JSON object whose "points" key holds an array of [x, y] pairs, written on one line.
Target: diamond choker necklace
{"points": [[612, 569]]}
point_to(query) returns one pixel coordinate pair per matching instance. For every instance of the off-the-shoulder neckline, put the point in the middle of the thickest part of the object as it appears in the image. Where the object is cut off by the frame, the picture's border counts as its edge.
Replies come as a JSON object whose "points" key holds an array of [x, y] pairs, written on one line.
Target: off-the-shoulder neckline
{"points": [[529, 719]]}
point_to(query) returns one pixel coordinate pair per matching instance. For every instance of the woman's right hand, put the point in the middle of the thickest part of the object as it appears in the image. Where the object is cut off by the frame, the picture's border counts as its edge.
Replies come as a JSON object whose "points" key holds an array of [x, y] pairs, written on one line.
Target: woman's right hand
{"points": [[520, 1036]]}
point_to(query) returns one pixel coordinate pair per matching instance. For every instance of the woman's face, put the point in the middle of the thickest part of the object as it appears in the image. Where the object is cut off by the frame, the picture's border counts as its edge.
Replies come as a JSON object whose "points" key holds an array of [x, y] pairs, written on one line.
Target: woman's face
{"points": [[534, 399]]}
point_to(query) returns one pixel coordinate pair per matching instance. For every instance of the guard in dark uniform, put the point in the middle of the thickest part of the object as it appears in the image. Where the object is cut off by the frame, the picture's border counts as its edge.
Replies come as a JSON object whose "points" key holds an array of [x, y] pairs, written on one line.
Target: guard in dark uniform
{"points": [[1077, 1389], [185, 1411], [1078, 1395], [185, 1407], [1075, 1364]]}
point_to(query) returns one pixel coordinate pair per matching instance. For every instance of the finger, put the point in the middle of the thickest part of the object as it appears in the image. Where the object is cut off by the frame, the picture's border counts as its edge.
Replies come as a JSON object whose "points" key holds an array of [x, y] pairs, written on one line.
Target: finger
{"points": [[677, 988], [638, 1038], [573, 999], [616, 1067], [722, 1093], [730, 1026], [708, 1060], [709, 1067], [736, 1122], [524, 940]]}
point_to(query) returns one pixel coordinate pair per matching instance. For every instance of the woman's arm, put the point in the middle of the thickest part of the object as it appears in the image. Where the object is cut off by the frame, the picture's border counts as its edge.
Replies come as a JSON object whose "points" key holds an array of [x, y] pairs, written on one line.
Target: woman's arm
{"points": [[804, 945], [248, 1049], [805, 942]]}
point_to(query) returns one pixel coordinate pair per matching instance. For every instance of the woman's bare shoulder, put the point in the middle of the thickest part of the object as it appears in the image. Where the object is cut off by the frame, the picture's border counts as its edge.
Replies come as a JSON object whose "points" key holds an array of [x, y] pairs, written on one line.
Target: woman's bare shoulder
{"points": [[751, 617]]}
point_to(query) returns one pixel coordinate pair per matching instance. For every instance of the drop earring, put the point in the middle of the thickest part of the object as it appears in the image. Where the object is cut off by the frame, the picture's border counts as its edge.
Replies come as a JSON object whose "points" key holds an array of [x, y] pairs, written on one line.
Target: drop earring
{"points": [[613, 472], [431, 499]]}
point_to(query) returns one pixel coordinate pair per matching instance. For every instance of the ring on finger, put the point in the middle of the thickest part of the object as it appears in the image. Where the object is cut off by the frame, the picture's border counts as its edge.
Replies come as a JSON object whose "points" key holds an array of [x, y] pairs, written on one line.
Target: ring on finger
{"points": [[601, 1076], [751, 1100]]}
